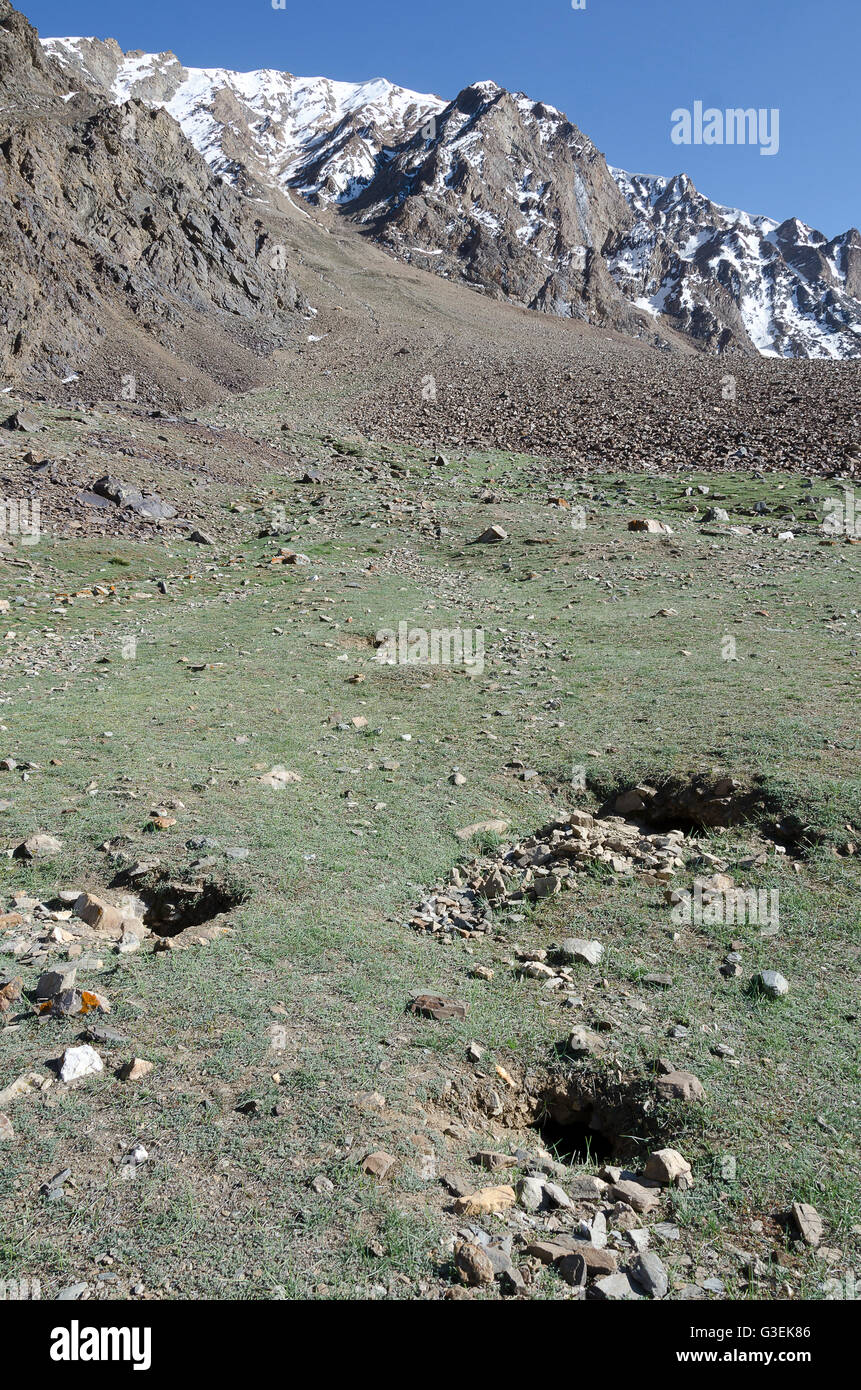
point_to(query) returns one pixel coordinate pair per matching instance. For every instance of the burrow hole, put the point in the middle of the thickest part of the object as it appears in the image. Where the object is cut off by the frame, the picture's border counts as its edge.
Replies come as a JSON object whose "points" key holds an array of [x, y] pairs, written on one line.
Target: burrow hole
{"points": [[575, 1142], [172, 906]]}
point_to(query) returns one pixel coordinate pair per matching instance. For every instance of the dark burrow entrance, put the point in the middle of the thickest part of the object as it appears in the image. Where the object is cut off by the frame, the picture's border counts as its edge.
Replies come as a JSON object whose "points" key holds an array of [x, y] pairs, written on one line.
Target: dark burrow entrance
{"points": [[700, 802], [592, 1118], [574, 1142], [171, 905], [703, 802]]}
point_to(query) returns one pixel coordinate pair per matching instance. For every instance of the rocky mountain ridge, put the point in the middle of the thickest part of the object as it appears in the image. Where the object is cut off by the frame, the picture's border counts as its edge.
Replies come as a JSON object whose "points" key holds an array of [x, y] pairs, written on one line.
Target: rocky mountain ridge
{"points": [[507, 195]]}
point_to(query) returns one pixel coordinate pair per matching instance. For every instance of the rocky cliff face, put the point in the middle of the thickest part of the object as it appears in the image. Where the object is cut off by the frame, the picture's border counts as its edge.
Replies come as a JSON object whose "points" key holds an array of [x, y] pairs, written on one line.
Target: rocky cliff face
{"points": [[507, 195], [117, 243]]}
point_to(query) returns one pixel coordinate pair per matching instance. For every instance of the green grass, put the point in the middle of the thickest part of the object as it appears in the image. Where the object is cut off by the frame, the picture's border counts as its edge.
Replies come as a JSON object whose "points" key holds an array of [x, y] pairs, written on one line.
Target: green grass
{"points": [[337, 860]]}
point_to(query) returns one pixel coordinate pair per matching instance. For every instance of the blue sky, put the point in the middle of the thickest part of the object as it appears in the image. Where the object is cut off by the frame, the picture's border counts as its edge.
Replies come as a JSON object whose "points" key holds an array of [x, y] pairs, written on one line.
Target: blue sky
{"points": [[618, 68]]}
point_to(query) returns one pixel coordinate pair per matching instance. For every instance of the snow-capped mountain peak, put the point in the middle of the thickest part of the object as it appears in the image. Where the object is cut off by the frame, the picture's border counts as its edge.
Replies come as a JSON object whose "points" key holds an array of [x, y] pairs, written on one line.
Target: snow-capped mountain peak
{"points": [[281, 128], [715, 271], [505, 193]]}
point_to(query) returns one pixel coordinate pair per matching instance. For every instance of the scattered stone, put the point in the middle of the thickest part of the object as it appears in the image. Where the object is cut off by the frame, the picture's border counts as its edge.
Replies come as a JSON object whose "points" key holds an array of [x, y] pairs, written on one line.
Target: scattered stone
{"points": [[105, 917], [772, 983], [631, 802], [807, 1222], [65, 1004], [279, 777], [641, 1198], [556, 1196], [547, 886], [652, 526], [378, 1165], [107, 1036], [615, 1286], [55, 981], [78, 1062], [666, 1166], [492, 534], [71, 1293], [473, 1266], [680, 1085], [583, 1042], [134, 1070], [666, 1231], [55, 1184], [598, 1261], [637, 1238], [585, 1188], [550, 1250], [510, 1278], [23, 1085], [21, 420], [455, 1185], [572, 1268], [10, 990], [39, 847], [530, 1193], [493, 886], [368, 1100], [485, 1201], [6, 1130], [434, 1006], [650, 1273], [577, 948], [487, 1158]]}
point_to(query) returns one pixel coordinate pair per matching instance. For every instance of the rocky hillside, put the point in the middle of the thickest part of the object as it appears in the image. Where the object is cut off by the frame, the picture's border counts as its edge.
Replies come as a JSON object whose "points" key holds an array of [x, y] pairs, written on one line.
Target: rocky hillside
{"points": [[121, 254], [509, 196]]}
